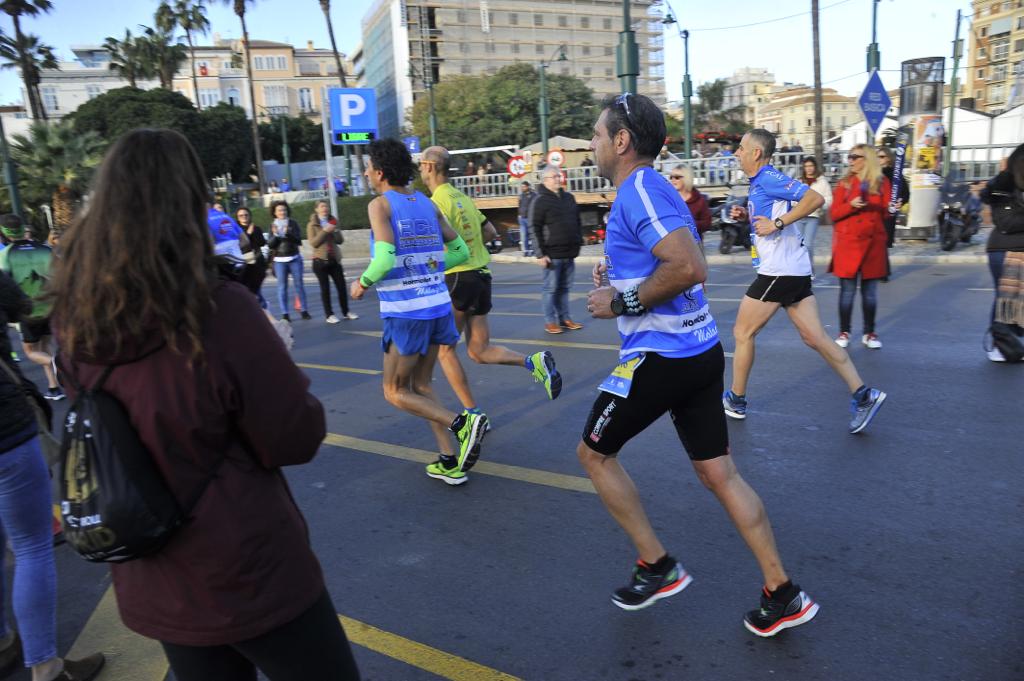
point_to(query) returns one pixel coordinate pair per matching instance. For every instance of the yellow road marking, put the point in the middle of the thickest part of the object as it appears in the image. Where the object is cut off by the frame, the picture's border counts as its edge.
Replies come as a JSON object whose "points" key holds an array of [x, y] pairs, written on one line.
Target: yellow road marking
{"points": [[443, 664], [332, 367], [573, 483], [130, 657]]}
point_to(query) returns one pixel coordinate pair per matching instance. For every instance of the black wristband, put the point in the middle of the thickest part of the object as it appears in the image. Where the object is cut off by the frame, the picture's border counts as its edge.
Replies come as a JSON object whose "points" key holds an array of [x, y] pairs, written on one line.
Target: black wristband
{"points": [[634, 308]]}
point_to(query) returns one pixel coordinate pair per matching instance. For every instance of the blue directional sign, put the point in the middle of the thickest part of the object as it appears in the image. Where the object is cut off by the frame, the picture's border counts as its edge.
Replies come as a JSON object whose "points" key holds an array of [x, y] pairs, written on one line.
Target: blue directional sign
{"points": [[412, 144], [353, 115], [874, 102]]}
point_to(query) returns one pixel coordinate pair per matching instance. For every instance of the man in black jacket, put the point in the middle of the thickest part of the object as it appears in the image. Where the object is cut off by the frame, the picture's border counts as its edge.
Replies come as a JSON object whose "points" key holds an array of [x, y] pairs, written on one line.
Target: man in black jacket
{"points": [[526, 198], [557, 234]]}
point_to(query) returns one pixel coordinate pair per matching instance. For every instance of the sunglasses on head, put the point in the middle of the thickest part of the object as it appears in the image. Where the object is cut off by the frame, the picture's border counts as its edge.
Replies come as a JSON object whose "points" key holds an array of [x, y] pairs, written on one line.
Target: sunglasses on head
{"points": [[623, 101], [854, 157]]}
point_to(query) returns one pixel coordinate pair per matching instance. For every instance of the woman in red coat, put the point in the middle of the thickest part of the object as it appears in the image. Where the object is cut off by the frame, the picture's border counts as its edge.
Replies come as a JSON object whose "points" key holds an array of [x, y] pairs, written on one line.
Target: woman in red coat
{"points": [[859, 205]]}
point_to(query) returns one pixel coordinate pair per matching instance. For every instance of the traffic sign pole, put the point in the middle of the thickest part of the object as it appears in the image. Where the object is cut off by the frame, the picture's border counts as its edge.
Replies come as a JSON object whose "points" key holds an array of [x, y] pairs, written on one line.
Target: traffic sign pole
{"points": [[329, 156]]}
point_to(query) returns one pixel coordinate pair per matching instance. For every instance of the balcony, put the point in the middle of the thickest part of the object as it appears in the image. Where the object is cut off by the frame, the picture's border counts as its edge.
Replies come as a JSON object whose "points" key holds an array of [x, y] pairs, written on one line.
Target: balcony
{"points": [[277, 110]]}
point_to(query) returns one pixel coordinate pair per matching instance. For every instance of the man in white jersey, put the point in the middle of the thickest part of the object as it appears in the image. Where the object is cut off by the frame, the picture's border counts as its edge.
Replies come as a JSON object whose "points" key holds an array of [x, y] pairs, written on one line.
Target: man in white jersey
{"points": [[784, 271], [671, 360]]}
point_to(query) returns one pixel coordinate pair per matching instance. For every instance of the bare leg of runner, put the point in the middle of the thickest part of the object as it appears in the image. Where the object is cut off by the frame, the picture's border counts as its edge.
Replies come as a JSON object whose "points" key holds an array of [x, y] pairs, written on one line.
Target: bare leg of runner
{"points": [[805, 317], [399, 372], [751, 318], [39, 353]]}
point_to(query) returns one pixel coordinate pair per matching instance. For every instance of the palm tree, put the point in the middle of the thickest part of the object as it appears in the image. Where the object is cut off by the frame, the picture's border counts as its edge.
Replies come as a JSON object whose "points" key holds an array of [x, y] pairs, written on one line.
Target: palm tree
{"points": [[129, 57], [239, 7], [166, 57], [191, 18], [29, 8], [28, 50], [325, 6], [56, 162]]}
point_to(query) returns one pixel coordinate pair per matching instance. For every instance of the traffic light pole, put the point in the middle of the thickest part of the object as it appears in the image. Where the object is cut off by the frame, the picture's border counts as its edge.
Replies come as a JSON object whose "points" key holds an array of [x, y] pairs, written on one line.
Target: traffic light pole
{"points": [[958, 49], [627, 56]]}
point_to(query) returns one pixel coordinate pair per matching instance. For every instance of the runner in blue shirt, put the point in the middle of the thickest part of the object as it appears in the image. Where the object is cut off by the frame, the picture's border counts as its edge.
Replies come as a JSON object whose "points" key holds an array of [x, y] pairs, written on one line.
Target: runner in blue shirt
{"points": [[784, 277], [408, 242], [671, 360]]}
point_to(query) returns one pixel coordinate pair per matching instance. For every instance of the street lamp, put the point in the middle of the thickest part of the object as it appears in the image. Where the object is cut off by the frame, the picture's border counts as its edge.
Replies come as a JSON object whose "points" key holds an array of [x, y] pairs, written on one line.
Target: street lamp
{"points": [[542, 108], [627, 55], [874, 56], [687, 87]]}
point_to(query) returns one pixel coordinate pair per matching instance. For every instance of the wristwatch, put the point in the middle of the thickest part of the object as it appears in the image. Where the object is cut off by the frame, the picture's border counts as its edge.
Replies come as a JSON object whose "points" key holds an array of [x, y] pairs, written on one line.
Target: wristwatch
{"points": [[779, 224], [618, 304]]}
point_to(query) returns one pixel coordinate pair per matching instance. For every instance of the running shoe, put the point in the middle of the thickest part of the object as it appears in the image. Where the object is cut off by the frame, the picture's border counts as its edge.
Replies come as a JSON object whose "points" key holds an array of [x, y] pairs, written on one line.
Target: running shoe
{"points": [[571, 325], [545, 373], [470, 429], [306, 315], [864, 410], [871, 340], [350, 316], [995, 356], [331, 319], [843, 340], [14, 356], [785, 610], [646, 586], [736, 407], [55, 394], [449, 476]]}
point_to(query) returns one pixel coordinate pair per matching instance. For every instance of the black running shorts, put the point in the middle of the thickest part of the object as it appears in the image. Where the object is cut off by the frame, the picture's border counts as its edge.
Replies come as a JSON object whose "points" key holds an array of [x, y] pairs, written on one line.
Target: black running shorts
{"points": [[470, 291], [783, 290], [34, 330], [689, 388]]}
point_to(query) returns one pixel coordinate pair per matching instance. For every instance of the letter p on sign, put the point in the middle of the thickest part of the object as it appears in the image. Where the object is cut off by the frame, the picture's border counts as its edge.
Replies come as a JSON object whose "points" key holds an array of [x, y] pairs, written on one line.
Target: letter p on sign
{"points": [[351, 105]]}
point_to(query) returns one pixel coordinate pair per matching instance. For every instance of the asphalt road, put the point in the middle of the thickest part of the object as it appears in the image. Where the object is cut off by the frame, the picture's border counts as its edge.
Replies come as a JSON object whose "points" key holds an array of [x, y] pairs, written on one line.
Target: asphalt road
{"points": [[908, 535]]}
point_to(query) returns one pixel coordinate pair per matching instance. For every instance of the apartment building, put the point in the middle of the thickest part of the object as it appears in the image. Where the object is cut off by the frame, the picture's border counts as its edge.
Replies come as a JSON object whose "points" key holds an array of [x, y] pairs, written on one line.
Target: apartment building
{"points": [[995, 55], [410, 43], [790, 115], [749, 87], [286, 80]]}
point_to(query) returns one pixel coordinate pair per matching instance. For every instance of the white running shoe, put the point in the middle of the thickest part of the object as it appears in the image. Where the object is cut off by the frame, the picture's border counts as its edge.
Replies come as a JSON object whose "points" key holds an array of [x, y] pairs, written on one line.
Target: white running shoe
{"points": [[995, 356], [332, 320], [843, 340], [871, 340], [351, 315]]}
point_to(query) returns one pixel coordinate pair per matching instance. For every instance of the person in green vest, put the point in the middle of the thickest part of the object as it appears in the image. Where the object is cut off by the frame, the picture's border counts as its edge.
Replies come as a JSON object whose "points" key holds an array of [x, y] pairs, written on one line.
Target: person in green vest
{"points": [[28, 263]]}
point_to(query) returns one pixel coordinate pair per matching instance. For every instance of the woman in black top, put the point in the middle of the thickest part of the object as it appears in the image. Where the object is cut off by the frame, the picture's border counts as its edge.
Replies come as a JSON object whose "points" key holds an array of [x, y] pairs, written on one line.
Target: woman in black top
{"points": [[286, 242], [1003, 192], [255, 270]]}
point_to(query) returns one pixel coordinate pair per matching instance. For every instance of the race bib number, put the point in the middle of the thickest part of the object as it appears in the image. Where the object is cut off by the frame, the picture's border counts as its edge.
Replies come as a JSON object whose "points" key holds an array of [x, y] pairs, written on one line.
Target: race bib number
{"points": [[621, 379]]}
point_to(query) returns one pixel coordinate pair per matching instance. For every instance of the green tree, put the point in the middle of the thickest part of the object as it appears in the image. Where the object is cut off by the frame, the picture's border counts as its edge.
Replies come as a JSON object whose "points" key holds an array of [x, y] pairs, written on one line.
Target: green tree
{"points": [[117, 111], [130, 58], [480, 111], [708, 114], [16, 9], [222, 141], [305, 139], [189, 16], [25, 50], [164, 56], [55, 163], [239, 7]]}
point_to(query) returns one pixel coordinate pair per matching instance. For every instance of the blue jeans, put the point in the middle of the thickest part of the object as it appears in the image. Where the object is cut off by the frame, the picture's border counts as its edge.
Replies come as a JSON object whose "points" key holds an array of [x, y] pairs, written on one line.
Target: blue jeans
{"points": [[282, 270], [524, 236], [809, 229], [25, 514], [557, 282], [868, 299]]}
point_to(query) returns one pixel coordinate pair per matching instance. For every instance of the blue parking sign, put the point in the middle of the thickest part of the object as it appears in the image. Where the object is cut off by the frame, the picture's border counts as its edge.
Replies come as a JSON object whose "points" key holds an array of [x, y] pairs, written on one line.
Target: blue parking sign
{"points": [[874, 102], [353, 115], [412, 144]]}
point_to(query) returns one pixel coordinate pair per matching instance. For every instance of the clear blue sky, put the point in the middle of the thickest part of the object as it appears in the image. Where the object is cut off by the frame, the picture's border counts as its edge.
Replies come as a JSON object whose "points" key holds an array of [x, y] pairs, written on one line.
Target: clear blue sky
{"points": [[906, 29]]}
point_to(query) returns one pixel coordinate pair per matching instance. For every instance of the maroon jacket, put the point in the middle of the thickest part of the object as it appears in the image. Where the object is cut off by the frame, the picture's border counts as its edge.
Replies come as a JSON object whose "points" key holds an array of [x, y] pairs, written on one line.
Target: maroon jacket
{"points": [[243, 565], [698, 205]]}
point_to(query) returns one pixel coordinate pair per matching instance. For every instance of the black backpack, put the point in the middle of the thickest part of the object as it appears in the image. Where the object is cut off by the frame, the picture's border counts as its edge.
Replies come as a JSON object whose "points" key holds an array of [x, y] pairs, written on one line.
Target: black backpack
{"points": [[1008, 211], [115, 504]]}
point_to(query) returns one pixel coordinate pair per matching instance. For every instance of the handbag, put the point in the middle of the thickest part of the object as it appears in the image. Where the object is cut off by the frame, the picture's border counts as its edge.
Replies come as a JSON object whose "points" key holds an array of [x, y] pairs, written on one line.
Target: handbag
{"points": [[47, 442], [1008, 211]]}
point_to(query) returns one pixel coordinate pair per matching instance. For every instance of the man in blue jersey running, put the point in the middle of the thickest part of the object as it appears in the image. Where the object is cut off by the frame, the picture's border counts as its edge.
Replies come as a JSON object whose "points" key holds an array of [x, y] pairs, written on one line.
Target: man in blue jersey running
{"points": [[784, 276], [409, 243], [671, 360]]}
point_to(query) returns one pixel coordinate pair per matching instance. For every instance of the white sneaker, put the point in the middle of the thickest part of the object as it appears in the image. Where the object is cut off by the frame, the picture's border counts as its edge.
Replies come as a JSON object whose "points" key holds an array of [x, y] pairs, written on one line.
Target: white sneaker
{"points": [[332, 320], [995, 356], [843, 340], [351, 315], [871, 341]]}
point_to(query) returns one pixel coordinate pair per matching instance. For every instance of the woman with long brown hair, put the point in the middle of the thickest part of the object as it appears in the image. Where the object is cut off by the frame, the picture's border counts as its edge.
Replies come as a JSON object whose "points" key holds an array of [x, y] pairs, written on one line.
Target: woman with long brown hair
{"points": [[859, 205], [138, 298], [812, 176]]}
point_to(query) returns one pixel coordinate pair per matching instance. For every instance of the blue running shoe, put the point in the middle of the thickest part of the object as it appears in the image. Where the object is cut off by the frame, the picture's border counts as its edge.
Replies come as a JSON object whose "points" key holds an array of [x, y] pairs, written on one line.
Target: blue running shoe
{"points": [[863, 411], [735, 407]]}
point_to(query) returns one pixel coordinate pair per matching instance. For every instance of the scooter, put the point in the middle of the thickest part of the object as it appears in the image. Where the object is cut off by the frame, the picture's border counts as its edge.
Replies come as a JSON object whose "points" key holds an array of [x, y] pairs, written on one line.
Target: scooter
{"points": [[959, 215], [734, 232]]}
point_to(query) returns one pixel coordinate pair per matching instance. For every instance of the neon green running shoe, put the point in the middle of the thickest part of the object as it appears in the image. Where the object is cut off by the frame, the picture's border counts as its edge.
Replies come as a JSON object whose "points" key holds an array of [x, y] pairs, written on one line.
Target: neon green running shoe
{"points": [[469, 428], [450, 476], [545, 373]]}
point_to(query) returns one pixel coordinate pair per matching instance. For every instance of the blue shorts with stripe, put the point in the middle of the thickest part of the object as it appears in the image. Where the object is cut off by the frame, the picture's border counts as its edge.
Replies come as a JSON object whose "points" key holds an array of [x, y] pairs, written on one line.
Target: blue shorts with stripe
{"points": [[415, 336]]}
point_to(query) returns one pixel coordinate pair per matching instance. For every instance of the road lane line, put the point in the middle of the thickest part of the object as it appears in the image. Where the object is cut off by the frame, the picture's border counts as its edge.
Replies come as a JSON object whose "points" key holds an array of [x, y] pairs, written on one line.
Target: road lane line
{"points": [[130, 657], [573, 483], [492, 313], [443, 664], [332, 367], [989, 290]]}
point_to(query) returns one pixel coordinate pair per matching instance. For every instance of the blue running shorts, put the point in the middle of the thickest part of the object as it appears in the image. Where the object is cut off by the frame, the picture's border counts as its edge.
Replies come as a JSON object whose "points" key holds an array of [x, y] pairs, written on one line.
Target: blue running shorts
{"points": [[415, 336]]}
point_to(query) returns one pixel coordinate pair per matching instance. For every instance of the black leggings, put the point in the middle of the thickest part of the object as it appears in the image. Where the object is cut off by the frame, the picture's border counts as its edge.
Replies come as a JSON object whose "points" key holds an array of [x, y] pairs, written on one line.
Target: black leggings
{"points": [[868, 299], [331, 268], [312, 647]]}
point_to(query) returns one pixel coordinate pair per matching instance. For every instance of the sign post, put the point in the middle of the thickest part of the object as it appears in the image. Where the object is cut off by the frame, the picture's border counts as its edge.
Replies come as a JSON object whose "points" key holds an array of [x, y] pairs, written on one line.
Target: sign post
{"points": [[874, 103], [329, 157], [517, 167]]}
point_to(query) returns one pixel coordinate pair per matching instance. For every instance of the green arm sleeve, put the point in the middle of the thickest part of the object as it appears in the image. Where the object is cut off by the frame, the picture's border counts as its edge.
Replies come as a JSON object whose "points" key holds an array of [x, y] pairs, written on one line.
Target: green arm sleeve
{"points": [[382, 262], [456, 253]]}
